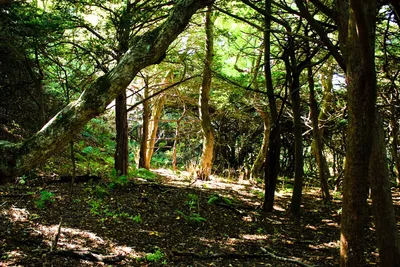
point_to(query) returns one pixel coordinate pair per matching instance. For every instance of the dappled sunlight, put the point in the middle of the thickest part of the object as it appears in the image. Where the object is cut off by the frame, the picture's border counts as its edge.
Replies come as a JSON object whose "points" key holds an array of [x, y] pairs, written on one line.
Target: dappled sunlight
{"points": [[16, 214]]}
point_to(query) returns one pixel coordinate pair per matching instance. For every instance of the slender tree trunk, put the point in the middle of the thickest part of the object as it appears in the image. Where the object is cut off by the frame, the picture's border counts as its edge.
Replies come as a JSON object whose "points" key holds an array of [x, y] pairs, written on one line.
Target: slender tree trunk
{"points": [[298, 143], [382, 203], [257, 167], [156, 113], [395, 144], [178, 123], [274, 143], [145, 129], [158, 106], [121, 124], [208, 135], [317, 142], [357, 37]]}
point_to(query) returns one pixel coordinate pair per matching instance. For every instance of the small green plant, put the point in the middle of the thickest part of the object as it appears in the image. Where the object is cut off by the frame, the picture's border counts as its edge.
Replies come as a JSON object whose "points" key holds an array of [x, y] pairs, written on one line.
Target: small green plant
{"points": [[144, 174], [217, 198], [155, 257], [192, 217], [46, 197]]}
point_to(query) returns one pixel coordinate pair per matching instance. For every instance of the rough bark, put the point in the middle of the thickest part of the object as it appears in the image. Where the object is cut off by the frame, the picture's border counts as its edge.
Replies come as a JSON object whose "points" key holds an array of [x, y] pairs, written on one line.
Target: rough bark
{"points": [[357, 36], [382, 203], [121, 124], [274, 143], [144, 50], [317, 142], [208, 136]]}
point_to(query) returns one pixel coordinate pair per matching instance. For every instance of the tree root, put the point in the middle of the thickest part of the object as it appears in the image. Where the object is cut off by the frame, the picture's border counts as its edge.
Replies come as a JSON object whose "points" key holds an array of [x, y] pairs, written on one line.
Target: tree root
{"points": [[89, 256], [237, 256]]}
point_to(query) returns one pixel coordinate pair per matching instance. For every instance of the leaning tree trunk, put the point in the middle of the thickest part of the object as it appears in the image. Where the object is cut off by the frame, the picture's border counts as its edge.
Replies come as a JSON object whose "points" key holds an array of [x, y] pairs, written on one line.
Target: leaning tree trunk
{"points": [[382, 203], [208, 136], [145, 50], [158, 106], [357, 36], [317, 142]]}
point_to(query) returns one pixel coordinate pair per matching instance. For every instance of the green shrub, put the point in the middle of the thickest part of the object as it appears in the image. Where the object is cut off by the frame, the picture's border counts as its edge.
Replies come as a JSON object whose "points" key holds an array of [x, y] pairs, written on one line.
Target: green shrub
{"points": [[46, 197]]}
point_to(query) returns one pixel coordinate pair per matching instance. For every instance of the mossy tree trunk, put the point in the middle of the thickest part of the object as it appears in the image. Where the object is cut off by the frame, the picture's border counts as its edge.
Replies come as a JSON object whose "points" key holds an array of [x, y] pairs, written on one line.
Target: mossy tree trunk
{"points": [[206, 160], [145, 50], [357, 37]]}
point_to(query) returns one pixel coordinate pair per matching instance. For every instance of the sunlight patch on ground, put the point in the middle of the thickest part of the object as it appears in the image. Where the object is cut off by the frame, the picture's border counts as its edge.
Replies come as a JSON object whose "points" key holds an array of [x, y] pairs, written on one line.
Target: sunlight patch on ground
{"points": [[16, 214], [254, 237], [332, 244], [330, 223]]}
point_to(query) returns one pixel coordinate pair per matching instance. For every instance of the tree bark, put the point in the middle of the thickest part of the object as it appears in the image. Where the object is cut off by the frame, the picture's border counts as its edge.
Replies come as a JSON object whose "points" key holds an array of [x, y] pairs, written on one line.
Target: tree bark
{"points": [[208, 136], [121, 124], [145, 50], [298, 143], [145, 129], [382, 203], [274, 143], [357, 36]]}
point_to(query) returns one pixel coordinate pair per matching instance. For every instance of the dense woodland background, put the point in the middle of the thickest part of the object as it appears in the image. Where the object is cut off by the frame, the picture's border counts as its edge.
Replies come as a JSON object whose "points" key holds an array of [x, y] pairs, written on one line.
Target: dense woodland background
{"points": [[296, 101]]}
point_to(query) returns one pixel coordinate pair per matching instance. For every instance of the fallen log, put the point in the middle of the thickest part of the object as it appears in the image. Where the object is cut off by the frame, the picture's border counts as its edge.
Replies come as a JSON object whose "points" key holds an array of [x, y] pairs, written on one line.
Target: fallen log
{"points": [[89, 256]]}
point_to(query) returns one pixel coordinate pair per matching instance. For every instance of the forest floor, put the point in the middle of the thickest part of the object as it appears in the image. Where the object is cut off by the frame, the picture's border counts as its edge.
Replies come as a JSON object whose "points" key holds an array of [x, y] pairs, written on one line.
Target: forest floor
{"points": [[170, 221]]}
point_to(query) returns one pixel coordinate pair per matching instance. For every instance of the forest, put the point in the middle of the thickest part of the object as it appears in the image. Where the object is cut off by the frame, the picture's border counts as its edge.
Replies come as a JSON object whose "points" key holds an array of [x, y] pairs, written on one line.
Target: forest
{"points": [[199, 133]]}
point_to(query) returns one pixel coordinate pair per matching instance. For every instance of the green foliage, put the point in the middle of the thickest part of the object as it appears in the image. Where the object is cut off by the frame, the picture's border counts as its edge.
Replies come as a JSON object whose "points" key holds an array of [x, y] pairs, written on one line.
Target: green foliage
{"points": [[46, 197], [99, 208], [156, 256], [192, 217], [217, 198], [144, 173]]}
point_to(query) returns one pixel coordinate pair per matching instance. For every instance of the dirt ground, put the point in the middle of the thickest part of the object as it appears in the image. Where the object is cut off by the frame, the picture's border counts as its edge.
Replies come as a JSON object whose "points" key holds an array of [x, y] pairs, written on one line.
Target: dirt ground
{"points": [[169, 221]]}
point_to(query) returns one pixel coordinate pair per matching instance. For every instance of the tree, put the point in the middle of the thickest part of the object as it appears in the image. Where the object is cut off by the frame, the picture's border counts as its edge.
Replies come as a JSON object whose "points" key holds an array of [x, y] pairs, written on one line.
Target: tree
{"points": [[144, 50], [208, 136]]}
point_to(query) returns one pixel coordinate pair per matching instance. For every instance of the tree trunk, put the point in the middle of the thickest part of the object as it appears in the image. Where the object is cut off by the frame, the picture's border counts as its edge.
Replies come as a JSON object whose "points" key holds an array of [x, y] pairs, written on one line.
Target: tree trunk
{"points": [[145, 129], [317, 142], [357, 36], [145, 50], [274, 143], [158, 106], [121, 124], [257, 167], [208, 136], [382, 203], [298, 143]]}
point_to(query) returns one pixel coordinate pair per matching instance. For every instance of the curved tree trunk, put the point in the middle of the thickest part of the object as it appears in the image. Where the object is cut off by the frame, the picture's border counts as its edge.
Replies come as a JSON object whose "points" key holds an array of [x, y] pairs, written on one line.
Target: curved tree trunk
{"points": [[382, 203], [145, 50], [208, 136]]}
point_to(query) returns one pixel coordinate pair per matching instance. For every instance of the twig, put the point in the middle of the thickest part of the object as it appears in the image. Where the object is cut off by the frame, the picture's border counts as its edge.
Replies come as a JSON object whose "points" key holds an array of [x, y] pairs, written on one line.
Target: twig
{"points": [[237, 256], [55, 241], [88, 255]]}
